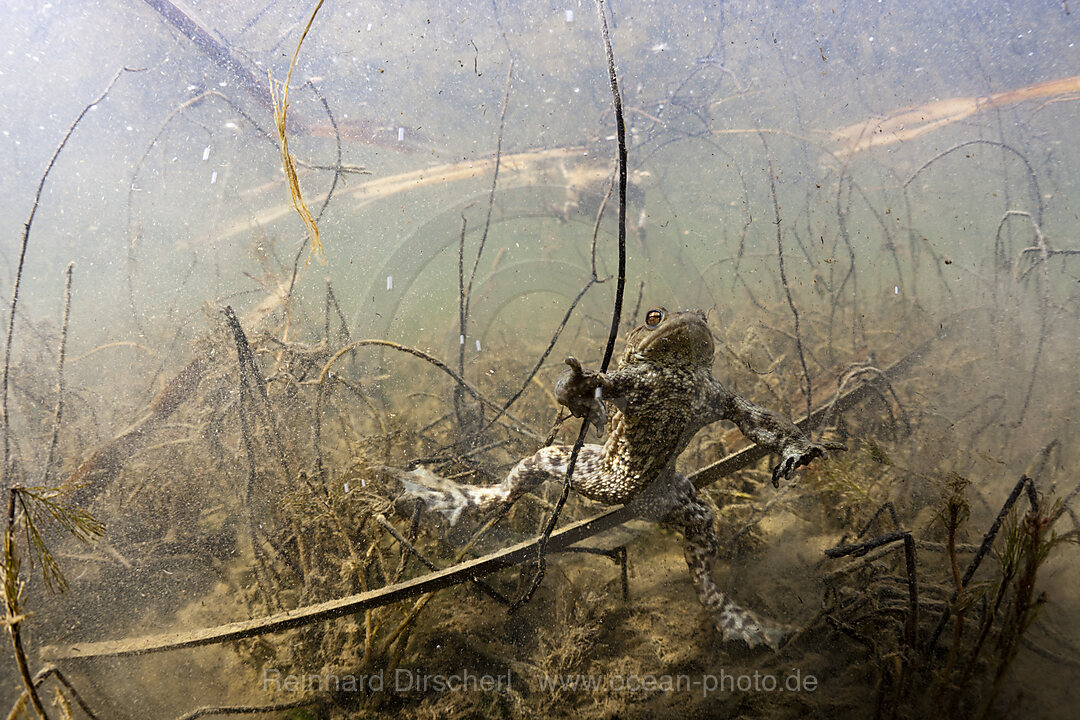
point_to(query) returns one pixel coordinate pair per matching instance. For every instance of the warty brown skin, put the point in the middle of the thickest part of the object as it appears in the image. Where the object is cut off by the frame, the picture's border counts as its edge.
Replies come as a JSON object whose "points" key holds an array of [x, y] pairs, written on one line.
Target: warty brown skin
{"points": [[662, 394]]}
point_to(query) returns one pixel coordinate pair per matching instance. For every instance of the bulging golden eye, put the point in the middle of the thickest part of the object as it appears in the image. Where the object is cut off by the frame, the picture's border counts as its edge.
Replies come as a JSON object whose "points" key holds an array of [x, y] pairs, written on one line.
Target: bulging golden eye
{"points": [[654, 317]]}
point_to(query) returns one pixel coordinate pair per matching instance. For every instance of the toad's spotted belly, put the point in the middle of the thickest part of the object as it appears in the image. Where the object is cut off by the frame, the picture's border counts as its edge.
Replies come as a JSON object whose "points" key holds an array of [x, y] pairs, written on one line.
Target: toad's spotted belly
{"points": [[598, 475]]}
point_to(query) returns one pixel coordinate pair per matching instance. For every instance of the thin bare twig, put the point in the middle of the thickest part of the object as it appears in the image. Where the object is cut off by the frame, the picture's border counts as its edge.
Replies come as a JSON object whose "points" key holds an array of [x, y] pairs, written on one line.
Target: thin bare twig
{"points": [[1035, 191], [518, 425], [408, 546], [243, 352], [547, 351], [783, 277], [595, 279], [463, 303], [491, 194], [58, 417], [42, 675], [246, 709], [616, 314], [780, 244], [4, 417], [1044, 309]]}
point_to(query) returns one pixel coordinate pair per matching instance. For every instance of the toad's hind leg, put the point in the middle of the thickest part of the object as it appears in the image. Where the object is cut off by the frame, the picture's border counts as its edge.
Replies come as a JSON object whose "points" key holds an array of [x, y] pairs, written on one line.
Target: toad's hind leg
{"points": [[695, 519], [453, 499]]}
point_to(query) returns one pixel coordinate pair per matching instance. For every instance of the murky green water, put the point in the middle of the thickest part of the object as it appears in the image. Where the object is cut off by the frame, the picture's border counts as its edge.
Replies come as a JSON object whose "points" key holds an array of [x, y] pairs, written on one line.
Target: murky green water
{"points": [[879, 199]]}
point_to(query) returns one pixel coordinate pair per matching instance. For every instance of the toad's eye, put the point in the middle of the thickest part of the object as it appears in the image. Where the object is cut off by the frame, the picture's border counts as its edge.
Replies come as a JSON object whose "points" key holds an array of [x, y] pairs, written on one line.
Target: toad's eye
{"points": [[654, 317]]}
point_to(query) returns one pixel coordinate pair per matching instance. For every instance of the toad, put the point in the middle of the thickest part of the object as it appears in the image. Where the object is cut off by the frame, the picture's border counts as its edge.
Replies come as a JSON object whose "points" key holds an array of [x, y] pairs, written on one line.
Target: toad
{"points": [[662, 394]]}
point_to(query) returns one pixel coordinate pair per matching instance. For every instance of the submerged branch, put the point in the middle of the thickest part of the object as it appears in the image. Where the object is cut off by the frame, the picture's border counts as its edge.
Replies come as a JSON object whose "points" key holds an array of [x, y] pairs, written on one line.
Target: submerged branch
{"points": [[461, 382], [616, 312], [457, 574]]}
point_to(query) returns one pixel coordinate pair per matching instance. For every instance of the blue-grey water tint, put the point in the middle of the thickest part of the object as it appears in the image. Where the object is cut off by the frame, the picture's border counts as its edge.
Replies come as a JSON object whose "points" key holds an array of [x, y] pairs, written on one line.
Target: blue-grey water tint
{"points": [[915, 164]]}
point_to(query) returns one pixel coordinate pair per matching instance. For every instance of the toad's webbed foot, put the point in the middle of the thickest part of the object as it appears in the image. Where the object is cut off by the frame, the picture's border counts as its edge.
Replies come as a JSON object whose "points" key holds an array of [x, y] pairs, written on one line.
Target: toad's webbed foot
{"points": [[579, 390], [736, 623], [454, 500], [796, 455], [443, 496]]}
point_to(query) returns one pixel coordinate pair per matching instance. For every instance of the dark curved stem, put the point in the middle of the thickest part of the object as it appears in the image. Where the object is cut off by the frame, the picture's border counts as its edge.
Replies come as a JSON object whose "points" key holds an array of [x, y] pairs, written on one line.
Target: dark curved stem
{"points": [[616, 314], [14, 615]]}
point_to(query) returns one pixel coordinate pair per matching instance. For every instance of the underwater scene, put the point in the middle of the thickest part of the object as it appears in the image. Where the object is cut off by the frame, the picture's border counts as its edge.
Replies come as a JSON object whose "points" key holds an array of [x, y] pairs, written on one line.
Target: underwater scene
{"points": [[578, 359]]}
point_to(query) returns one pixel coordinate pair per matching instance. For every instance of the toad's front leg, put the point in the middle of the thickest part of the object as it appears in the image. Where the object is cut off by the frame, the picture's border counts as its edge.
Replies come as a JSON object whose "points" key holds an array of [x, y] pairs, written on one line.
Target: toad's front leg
{"points": [[767, 428], [581, 391]]}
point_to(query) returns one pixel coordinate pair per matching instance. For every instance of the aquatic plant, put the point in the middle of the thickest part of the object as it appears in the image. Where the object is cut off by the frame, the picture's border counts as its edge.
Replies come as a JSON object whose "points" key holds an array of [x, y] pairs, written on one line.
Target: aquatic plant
{"points": [[30, 511], [288, 162]]}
